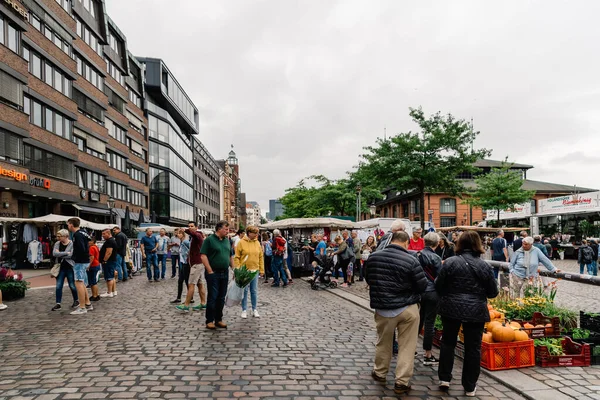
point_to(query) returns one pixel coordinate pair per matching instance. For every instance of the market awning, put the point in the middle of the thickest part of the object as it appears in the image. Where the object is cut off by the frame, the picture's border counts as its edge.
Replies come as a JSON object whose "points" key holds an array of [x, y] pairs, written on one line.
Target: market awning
{"points": [[92, 210], [480, 229], [309, 223], [59, 219]]}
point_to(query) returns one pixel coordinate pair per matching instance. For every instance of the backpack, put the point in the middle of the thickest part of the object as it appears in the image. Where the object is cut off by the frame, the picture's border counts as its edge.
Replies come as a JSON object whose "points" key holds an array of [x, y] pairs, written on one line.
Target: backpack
{"points": [[587, 255], [279, 250], [268, 250]]}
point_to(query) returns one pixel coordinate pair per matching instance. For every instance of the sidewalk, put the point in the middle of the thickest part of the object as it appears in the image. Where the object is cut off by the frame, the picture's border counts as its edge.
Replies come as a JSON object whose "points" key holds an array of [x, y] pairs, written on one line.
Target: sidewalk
{"points": [[534, 382]]}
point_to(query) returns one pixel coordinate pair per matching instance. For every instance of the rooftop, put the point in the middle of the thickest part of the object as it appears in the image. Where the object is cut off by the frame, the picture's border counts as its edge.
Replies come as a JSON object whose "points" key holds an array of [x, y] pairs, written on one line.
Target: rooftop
{"points": [[485, 163]]}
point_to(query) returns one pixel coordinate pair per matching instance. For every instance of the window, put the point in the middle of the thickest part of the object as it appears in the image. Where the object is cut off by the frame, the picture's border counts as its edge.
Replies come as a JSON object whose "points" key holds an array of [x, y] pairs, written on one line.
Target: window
{"points": [[115, 72], [115, 101], [66, 4], [134, 97], [447, 222], [11, 148], [116, 161], [116, 190], [51, 35], [90, 180], [113, 42], [88, 107], [47, 72], [448, 206], [82, 146], [90, 6], [9, 35], [48, 119], [88, 37], [89, 73], [47, 163], [115, 131], [533, 206], [135, 148], [137, 198], [176, 94], [137, 174], [11, 90]]}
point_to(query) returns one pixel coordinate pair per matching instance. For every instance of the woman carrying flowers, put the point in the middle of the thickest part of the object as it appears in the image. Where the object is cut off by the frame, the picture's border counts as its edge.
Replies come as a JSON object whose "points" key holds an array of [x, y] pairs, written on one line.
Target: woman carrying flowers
{"points": [[524, 266], [249, 252]]}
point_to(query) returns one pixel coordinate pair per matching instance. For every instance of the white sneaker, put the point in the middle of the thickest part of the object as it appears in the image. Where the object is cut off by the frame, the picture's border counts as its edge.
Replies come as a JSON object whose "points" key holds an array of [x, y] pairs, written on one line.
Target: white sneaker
{"points": [[114, 293], [106, 295], [255, 314], [244, 314], [471, 394], [444, 385], [3, 306], [78, 311]]}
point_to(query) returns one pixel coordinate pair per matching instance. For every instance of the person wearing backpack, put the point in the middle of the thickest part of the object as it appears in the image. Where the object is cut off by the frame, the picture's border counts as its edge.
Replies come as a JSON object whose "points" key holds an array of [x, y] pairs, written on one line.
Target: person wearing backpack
{"points": [[524, 266], [268, 254], [431, 263], [279, 249], [585, 258]]}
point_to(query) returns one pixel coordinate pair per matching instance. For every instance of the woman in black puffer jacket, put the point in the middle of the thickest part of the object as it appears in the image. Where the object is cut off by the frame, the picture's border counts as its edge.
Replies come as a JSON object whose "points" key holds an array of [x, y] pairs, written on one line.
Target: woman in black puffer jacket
{"points": [[464, 284]]}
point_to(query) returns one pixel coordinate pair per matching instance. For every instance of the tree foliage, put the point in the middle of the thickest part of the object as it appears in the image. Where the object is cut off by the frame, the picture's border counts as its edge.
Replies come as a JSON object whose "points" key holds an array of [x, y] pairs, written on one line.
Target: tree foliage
{"points": [[426, 161], [500, 189], [327, 197]]}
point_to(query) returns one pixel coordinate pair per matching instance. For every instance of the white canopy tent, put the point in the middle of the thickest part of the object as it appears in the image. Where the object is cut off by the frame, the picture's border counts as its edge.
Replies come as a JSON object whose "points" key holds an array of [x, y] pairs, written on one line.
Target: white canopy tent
{"points": [[58, 219], [301, 223]]}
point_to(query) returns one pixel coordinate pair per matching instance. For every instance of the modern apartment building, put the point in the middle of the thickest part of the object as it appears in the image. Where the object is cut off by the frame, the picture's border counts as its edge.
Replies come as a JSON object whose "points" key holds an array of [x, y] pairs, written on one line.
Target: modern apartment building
{"points": [[73, 135], [207, 192], [173, 121]]}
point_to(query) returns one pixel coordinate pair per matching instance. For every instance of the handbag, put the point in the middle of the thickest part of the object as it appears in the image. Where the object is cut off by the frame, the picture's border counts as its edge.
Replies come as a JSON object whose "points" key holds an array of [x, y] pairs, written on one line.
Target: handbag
{"points": [[55, 270]]}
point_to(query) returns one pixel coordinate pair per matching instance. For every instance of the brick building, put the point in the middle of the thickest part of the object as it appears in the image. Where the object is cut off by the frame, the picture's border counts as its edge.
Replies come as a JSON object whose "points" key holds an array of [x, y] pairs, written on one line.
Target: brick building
{"points": [[72, 130], [445, 210]]}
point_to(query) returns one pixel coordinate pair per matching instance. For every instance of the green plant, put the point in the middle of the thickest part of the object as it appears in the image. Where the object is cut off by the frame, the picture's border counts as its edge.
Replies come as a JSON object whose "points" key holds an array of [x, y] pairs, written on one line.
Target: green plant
{"points": [[243, 276], [554, 346], [580, 333], [12, 290], [438, 323]]}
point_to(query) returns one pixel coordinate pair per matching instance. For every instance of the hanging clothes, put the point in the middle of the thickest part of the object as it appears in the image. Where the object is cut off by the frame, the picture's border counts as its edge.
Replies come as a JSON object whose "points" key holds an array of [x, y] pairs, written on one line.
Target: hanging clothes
{"points": [[30, 233], [34, 252]]}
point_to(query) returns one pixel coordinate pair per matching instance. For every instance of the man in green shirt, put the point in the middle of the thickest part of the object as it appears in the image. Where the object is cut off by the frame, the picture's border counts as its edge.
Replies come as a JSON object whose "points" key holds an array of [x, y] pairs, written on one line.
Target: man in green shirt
{"points": [[217, 259]]}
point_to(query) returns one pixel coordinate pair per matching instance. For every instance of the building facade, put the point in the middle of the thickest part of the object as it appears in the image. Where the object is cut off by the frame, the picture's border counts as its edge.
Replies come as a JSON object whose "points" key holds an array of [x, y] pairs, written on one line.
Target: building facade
{"points": [[275, 209], [207, 187], [72, 140], [172, 121], [228, 209], [253, 213]]}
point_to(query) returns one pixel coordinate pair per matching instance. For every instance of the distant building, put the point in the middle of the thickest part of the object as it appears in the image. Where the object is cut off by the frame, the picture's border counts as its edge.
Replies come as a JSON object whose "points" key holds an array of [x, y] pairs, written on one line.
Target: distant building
{"points": [[253, 214], [276, 209]]}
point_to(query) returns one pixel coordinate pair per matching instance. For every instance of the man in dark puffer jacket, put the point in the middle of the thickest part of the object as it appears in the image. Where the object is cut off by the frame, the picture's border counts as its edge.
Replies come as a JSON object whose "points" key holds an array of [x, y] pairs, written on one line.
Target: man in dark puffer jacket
{"points": [[396, 281]]}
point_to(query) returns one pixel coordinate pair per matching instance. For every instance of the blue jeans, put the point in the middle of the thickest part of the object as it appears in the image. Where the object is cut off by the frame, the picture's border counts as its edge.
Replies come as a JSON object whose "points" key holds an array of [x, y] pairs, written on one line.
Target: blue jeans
{"points": [[162, 259], [121, 268], [60, 282], [174, 262], [582, 266], [277, 267], [151, 261], [217, 290], [595, 268], [253, 288]]}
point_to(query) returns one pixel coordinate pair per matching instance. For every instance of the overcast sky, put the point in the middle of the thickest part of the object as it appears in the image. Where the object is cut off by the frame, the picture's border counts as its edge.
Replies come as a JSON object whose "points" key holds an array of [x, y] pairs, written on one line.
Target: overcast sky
{"points": [[300, 86]]}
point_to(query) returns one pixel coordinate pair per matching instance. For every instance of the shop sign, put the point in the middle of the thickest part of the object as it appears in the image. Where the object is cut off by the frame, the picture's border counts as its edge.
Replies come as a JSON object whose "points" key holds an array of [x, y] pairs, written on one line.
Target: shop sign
{"points": [[568, 204], [8, 215], [95, 196], [17, 7], [520, 211], [40, 182], [11, 173]]}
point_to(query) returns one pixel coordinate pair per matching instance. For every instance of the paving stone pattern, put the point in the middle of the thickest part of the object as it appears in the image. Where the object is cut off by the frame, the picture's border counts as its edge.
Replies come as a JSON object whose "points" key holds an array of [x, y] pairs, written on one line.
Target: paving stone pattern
{"points": [[306, 345]]}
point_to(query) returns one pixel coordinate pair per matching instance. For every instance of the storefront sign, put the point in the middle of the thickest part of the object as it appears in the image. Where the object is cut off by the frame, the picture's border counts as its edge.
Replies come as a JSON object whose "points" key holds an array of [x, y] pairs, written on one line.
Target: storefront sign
{"points": [[520, 211], [95, 196], [17, 7], [570, 204], [11, 173], [40, 182], [8, 215]]}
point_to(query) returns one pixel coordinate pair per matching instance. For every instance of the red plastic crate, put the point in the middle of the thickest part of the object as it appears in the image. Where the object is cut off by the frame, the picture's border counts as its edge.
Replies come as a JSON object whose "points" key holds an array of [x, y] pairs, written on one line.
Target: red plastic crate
{"points": [[498, 356], [541, 319], [576, 355]]}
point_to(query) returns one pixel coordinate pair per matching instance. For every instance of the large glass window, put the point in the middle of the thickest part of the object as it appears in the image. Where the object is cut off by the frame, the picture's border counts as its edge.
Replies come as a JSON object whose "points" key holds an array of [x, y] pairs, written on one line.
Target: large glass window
{"points": [[137, 198], [116, 161], [82, 146], [88, 37], [9, 35], [47, 72], [113, 42], [176, 94], [88, 107], [137, 174], [116, 190], [447, 222], [448, 206], [134, 97], [66, 4], [49, 119], [165, 157], [90, 180], [11, 148], [45, 30], [89, 73], [115, 101], [115, 131], [90, 6], [115, 72], [181, 210], [48, 164]]}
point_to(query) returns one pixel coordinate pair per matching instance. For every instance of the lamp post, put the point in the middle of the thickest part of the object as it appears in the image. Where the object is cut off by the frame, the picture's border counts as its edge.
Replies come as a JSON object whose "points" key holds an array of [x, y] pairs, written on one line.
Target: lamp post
{"points": [[358, 205], [111, 204], [372, 210]]}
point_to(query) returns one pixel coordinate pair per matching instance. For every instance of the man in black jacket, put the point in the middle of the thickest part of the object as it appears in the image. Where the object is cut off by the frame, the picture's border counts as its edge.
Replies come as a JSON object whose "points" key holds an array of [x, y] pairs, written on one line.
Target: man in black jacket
{"points": [[396, 281], [518, 243]]}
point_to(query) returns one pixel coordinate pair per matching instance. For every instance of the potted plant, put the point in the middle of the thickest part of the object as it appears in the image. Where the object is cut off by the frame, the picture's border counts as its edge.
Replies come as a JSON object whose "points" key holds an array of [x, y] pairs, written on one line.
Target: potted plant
{"points": [[12, 285]]}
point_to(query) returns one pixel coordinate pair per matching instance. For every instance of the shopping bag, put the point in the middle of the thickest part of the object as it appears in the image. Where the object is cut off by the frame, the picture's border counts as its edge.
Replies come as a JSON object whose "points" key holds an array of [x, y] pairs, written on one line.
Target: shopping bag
{"points": [[235, 294]]}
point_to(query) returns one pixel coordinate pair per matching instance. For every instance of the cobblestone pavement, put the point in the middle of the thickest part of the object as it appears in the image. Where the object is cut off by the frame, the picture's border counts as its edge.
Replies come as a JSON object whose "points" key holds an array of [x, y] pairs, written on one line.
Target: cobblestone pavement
{"points": [[305, 345]]}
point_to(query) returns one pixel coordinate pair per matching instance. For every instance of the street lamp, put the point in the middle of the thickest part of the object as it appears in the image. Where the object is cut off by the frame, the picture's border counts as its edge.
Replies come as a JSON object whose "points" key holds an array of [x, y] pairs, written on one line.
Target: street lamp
{"points": [[358, 201], [372, 209], [111, 204]]}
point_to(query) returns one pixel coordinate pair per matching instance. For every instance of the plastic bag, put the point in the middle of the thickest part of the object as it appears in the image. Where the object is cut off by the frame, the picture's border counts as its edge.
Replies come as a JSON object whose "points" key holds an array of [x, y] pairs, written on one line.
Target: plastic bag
{"points": [[235, 294]]}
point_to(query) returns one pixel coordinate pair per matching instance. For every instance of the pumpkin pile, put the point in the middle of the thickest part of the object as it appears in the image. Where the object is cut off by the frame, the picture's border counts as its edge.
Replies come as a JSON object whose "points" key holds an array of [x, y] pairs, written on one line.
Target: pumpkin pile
{"points": [[498, 332]]}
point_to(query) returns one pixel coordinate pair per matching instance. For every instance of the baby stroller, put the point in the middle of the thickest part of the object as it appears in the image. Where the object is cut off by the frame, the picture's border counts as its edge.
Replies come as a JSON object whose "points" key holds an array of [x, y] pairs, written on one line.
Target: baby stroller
{"points": [[322, 277]]}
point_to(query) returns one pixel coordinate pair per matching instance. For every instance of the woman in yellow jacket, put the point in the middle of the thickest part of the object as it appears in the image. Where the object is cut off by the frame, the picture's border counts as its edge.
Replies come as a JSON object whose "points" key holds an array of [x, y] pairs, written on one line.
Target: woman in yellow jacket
{"points": [[249, 252]]}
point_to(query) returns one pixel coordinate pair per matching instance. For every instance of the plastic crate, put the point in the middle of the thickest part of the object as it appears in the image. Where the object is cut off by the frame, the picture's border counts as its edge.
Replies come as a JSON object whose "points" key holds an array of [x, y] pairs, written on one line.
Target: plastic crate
{"points": [[576, 355], [509, 355], [594, 342], [589, 321], [541, 319]]}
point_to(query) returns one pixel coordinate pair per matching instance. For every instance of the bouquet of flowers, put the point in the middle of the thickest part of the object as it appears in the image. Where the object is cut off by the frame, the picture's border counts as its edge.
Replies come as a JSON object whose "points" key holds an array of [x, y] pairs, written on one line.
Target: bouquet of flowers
{"points": [[235, 291], [12, 284]]}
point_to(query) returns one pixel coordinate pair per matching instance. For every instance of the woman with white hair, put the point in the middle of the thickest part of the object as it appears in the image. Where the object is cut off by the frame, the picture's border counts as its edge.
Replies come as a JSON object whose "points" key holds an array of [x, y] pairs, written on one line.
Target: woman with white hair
{"points": [[524, 266], [63, 251]]}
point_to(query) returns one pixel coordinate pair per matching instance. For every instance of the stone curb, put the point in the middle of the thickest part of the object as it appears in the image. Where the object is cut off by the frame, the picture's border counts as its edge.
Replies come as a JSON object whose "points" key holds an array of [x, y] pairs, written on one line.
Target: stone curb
{"points": [[360, 302]]}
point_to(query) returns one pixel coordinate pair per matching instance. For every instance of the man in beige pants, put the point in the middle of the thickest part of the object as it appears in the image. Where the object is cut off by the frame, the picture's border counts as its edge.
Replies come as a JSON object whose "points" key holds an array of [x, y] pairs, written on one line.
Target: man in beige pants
{"points": [[396, 281]]}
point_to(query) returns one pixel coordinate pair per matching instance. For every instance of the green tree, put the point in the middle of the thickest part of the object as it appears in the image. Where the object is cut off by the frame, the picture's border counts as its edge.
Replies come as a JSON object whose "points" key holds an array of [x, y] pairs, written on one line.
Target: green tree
{"points": [[500, 189], [426, 161]]}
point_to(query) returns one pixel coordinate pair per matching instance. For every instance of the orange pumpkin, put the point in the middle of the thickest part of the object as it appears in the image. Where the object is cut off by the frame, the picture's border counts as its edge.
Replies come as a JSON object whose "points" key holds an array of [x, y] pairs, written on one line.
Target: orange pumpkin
{"points": [[492, 315], [520, 336], [490, 307], [549, 329], [528, 326], [487, 337], [493, 325], [539, 326], [515, 325], [503, 334]]}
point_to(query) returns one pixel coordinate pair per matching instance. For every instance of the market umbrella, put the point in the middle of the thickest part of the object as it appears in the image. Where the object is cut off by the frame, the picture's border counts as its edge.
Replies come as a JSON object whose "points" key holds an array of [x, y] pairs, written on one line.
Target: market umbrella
{"points": [[126, 224], [141, 217], [154, 216]]}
